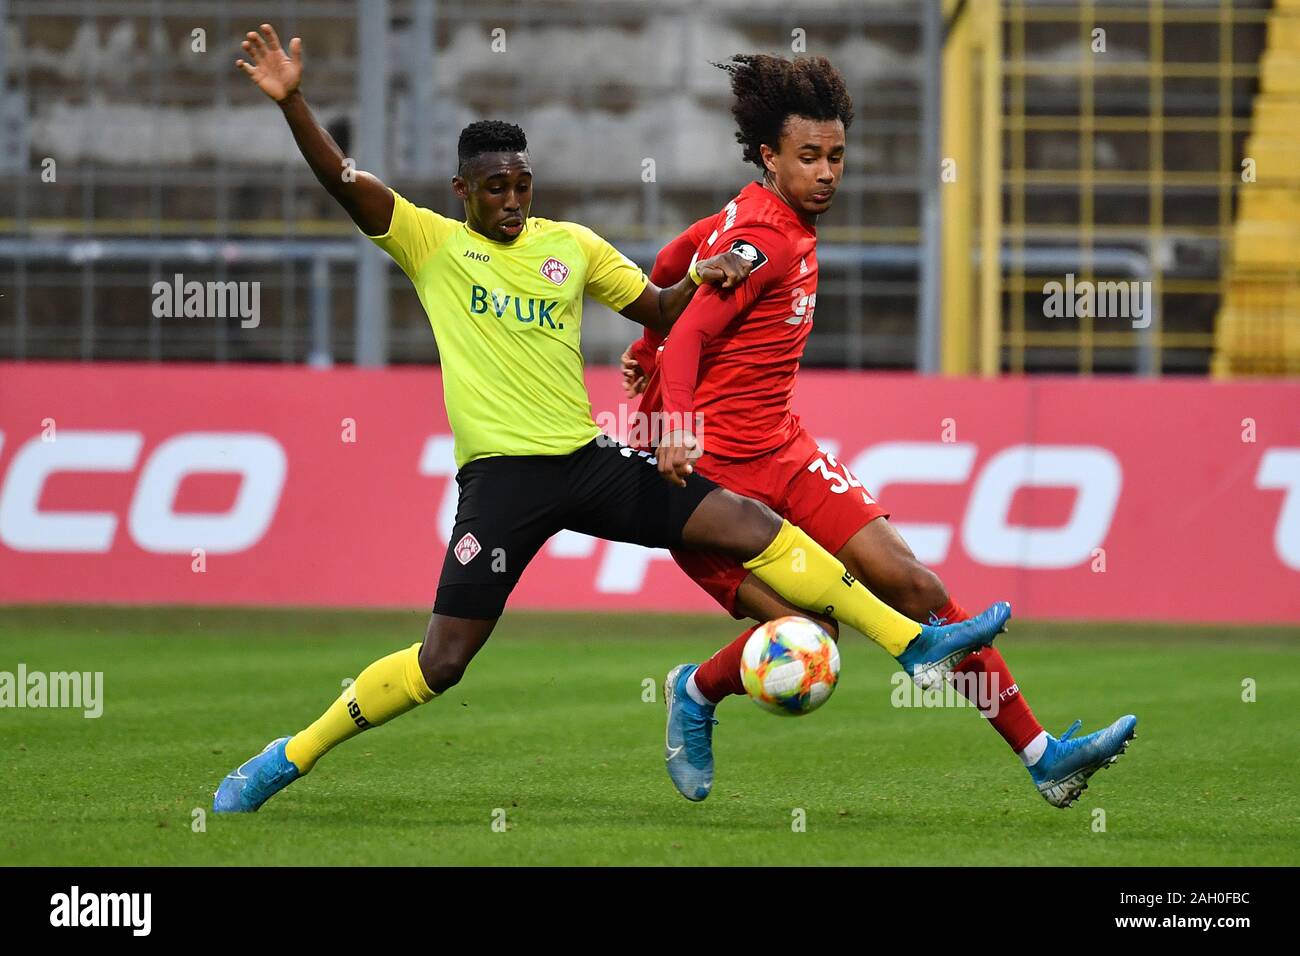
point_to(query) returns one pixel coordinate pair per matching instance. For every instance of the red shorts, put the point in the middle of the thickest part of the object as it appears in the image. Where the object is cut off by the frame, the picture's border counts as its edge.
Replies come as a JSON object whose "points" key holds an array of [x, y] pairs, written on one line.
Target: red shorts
{"points": [[800, 482]]}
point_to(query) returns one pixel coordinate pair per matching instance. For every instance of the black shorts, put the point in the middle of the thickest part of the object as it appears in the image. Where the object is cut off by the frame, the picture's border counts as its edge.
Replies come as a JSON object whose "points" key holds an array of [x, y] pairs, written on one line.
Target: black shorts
{"points": [[510, 505]]}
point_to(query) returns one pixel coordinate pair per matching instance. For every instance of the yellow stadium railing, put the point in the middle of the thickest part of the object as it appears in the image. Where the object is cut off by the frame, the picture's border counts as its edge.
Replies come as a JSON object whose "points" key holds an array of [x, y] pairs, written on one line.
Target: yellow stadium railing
{"points": [[1149, 104]]}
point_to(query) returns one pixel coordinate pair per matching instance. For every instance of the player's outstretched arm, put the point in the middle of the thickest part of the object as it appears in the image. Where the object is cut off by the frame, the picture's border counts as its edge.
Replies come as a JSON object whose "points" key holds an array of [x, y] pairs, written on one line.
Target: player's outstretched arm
{"points": [[671, 265], [278, 74], [674, 260], [657, 309], [708, 316], [679, 366]]}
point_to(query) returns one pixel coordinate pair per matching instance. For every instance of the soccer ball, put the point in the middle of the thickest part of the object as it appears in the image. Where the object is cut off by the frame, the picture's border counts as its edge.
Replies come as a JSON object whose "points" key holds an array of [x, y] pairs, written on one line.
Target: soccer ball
{"points": [[790, 666]]}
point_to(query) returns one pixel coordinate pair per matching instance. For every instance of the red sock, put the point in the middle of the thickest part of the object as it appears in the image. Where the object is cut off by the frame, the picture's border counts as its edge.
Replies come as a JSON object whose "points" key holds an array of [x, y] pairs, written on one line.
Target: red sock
{"points": [[719, 676], [950, 613], [1013, 720]]}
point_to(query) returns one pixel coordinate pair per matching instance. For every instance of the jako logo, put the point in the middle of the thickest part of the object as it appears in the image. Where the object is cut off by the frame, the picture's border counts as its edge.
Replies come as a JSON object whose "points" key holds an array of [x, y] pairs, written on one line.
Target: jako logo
{"points": [[103, 909]]}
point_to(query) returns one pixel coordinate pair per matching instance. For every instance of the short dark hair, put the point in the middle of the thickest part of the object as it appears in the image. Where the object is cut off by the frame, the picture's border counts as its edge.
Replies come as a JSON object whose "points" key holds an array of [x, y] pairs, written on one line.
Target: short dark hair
{"points": [[489, 136], [769, 89]]}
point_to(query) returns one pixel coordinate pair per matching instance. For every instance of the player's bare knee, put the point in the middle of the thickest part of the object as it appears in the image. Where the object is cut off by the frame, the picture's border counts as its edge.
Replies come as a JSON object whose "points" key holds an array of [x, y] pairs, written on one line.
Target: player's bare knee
{"points": [[921, 593], [441, 671], [730, 523], [442, 660], [756, 526]]}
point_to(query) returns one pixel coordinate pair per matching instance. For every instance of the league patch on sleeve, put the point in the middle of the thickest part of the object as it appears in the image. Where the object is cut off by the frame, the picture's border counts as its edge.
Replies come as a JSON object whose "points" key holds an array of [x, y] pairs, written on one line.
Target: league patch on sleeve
{"points": [[749, 252]]}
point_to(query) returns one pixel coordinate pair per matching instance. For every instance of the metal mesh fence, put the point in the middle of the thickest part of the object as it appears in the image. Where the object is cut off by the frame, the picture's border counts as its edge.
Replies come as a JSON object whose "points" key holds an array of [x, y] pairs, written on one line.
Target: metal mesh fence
{"points": [[148, 133], [132, 151], [1123, 137]]}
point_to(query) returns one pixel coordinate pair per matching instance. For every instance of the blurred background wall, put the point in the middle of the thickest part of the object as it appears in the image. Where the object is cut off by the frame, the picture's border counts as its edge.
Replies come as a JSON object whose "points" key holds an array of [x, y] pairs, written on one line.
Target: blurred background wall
{"points": [[998, 146]]}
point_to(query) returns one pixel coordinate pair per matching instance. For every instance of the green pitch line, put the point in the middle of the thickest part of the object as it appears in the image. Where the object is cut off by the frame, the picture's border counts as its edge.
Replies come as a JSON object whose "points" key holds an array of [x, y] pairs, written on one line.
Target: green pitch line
{"points": [[550, 727]]}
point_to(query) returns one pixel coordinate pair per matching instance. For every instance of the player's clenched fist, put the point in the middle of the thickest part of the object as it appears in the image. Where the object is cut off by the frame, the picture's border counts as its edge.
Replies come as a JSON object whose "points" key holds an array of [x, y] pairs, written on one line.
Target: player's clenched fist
{"points": [[276, 73], [724, 271], [676, 453]]}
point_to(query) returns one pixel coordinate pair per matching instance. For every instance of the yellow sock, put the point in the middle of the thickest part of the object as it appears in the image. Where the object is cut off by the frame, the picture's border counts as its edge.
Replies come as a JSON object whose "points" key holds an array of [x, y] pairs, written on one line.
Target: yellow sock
{"points": [[386, 689], [804, 573]]}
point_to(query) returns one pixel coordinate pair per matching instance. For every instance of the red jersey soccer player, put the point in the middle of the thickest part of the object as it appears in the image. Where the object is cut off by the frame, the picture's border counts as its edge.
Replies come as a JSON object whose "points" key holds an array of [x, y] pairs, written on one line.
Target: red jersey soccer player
{"points": [[730, 361]]}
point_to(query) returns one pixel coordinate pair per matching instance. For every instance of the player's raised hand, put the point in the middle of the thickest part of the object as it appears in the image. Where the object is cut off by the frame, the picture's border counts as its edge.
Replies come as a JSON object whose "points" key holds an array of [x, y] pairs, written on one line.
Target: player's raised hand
{"points": [[675, 454], [277, 73], [725, 270], [634, 377]]}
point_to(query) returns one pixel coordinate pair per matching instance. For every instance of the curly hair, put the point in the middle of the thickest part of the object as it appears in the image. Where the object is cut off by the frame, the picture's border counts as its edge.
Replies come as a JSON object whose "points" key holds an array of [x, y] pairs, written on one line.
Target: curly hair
{"points": [[769, 89], [489, 136]]}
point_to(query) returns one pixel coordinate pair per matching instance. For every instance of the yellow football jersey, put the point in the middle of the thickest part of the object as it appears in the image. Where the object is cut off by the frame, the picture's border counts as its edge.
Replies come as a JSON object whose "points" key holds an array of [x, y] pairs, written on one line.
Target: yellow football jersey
{"points": [[507, 318]]}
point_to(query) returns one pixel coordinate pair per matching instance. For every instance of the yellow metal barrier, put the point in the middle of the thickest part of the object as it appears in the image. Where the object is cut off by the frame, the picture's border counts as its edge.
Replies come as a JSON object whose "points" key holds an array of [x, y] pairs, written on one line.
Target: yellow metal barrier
{"points": [[1258, 327], [1096, 131]]}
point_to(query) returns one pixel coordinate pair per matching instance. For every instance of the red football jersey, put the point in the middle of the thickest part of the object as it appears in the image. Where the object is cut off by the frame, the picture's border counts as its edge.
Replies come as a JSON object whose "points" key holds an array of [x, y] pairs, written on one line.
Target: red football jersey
{"points": [[733, 354]]}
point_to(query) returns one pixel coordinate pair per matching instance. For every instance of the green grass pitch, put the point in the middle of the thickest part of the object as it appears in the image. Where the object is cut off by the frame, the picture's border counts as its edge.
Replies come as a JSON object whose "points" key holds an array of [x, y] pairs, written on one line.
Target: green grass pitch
{"points": [[550, 726]]}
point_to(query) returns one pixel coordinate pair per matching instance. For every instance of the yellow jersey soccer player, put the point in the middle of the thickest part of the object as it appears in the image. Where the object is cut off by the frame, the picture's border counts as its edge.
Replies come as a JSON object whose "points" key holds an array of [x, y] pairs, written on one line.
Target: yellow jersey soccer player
{"points": [[504, 292]]}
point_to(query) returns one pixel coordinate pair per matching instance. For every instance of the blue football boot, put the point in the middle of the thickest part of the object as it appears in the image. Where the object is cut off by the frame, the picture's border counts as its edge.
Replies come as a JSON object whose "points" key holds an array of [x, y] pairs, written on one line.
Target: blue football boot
{"points": [[688, 740], [936, 650], [1062, 772], [256, 780]]}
